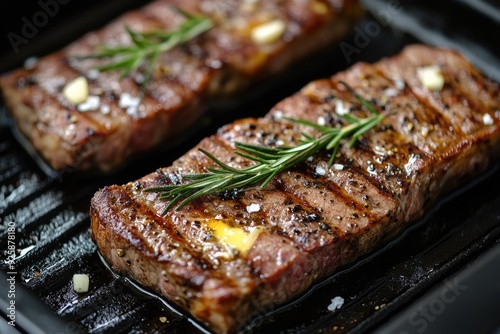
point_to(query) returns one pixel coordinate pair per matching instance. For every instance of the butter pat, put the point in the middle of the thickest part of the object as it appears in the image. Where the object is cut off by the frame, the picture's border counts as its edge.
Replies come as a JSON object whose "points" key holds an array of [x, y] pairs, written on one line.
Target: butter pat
{"points": [[81, 283], [235, 237], [431, 77], [268, 32], [77, 90]]}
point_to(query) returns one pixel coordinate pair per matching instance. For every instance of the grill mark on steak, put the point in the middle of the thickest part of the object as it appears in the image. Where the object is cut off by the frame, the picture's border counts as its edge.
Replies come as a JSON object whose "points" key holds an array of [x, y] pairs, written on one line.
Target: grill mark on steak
{"points": [[309, 224]]}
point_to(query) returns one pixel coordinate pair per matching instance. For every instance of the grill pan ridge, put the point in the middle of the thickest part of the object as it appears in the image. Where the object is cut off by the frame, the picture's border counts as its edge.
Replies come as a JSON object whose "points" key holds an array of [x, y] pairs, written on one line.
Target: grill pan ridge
{"points": [[51, 219]]}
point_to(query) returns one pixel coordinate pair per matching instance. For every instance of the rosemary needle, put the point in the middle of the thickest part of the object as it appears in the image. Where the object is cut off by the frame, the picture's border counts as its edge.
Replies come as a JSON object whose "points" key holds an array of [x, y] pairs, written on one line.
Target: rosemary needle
{"points": [[269, 161], [147, 46]]}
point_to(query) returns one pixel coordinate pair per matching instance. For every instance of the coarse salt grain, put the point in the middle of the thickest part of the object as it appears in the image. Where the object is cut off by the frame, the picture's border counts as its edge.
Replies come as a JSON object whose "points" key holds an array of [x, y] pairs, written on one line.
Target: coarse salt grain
{"points": [[105, 109], [399, 84], [91, 103], [336, 303], [253, 208], [129, 103], [390, 92], [30, 63], [340, 109], [487, 119], [93, 74], [338, 166], [321, 121], [278, 115], [320, 170]]}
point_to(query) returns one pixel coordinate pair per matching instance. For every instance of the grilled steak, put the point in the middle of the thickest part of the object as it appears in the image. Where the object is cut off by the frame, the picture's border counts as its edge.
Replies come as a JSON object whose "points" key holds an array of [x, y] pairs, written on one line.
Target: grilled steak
{"points": [[225, 258], [103, 132]]}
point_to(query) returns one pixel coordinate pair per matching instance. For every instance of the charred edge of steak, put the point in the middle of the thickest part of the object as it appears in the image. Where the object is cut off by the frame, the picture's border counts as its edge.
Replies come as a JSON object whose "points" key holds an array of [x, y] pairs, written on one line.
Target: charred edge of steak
{"points": [[308, 223]]}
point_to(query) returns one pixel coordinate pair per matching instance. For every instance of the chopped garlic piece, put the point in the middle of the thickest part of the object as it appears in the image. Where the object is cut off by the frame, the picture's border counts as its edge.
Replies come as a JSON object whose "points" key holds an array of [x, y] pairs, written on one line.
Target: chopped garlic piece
{"points": [[424, 131], [268, 32], [431, 77], [77, 90], [80, 283], [487, 119]]}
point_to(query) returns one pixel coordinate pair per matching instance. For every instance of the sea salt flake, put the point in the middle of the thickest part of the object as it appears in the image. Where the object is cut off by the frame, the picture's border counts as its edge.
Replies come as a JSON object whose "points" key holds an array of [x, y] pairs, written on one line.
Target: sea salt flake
{"points": [[127, 100], [321, 121], [336, 303], [91, 103], [139, 78], [338, 166], [488, 120], [340, 109], [253, 208], [129, 103], [93, 74], [399, 84], [105, 109], [132, 111], [410, 164], [278, 114], [390, 92], [320, 170], [30, 63]]}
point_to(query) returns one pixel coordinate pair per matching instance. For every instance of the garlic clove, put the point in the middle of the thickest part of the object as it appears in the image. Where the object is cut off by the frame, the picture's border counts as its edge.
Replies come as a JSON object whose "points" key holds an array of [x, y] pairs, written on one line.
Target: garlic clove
{"points": [[77, 90]]}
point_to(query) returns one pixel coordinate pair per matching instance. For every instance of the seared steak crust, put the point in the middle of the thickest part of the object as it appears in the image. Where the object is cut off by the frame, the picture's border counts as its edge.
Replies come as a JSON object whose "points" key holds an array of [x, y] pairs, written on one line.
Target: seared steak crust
{"points": [[309, 222], [221, 62]]}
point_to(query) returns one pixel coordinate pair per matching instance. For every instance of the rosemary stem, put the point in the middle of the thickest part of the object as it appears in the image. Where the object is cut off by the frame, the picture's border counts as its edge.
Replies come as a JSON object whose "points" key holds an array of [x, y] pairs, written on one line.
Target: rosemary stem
{"points": [[269, 161]]}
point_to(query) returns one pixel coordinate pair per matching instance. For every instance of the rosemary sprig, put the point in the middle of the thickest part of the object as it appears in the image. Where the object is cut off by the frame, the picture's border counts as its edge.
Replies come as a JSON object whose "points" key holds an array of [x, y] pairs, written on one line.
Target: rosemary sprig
{"points": [[269, 161], [147, 46]]}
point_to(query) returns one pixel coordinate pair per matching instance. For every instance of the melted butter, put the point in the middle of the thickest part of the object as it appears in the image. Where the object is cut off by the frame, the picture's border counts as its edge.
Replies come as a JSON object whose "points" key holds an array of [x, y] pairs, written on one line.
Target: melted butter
{"points": [[235, 237]]}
